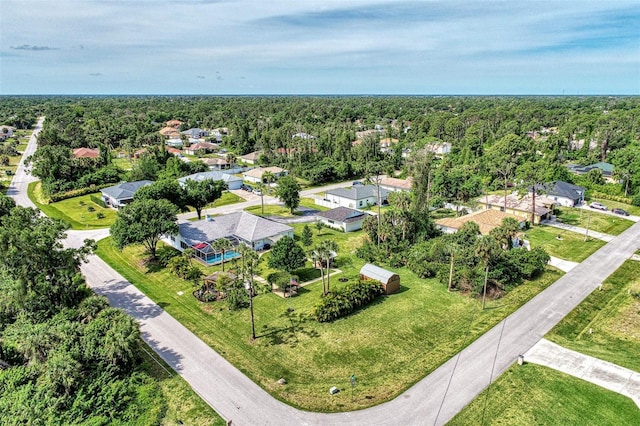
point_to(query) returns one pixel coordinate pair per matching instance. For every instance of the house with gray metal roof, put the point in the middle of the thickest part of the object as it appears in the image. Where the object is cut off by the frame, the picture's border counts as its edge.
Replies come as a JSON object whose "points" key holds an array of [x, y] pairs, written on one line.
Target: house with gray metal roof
{"points": [[233, 182], [563, 193], [358, 196], [237, 227], [119, 195], [342, 218]]}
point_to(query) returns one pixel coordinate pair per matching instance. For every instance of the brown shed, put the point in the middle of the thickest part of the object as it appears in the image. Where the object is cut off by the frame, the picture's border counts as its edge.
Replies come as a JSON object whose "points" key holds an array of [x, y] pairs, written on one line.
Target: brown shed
{"points": [[390, 280]]}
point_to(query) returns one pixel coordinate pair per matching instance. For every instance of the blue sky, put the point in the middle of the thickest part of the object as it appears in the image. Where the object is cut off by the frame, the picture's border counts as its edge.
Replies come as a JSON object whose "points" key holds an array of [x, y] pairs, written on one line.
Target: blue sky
{"points": [[319, 47]]}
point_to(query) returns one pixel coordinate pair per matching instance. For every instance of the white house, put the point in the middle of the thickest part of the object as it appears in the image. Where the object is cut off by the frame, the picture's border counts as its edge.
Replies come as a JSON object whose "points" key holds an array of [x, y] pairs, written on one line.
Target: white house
{"points": [[122, 194], [256, 175], [238, 227], [563, 193], [233, 182], [358, 196], [395, 184], [342, 218], [252, 157]]}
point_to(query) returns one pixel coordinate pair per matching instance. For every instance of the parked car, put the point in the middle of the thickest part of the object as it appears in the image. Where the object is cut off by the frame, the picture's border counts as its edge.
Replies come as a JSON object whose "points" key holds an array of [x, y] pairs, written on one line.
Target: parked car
{"points": [[598, 206], [247, 188], [620, 212], [257, 192], [356, 183]]}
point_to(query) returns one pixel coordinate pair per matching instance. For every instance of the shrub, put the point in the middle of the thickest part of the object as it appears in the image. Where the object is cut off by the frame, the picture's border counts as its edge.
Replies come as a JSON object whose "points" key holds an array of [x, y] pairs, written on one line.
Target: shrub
{"points": [[91, 209], [342, 302], [97, 200], [100, 215], [59, 196]]}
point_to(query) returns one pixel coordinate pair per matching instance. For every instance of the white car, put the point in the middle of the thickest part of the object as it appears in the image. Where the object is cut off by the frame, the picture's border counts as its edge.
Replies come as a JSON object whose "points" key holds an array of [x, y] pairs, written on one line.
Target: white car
{"points": [[257, 192], [598, 206]]}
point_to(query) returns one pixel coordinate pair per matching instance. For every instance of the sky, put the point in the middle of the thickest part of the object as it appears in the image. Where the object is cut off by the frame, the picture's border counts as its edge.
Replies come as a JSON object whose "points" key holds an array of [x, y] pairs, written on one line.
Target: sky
{"points": [[232, 47]]}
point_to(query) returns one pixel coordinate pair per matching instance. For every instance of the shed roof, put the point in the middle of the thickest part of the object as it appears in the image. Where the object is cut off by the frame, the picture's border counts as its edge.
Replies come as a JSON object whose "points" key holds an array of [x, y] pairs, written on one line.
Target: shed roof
{"points": [[359, 192], [377, 273], [342, 214]]}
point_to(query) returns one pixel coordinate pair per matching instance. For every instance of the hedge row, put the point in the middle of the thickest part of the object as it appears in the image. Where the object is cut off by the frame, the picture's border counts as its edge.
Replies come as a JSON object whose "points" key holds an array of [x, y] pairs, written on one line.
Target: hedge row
{"points": [[59, 196], [618, 198], [99, 201], [342, 302]]}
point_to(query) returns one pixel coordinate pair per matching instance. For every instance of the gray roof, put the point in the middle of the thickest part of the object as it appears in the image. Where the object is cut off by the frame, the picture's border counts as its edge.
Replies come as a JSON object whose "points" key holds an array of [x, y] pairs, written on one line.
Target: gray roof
{"points": [[377, 273], [359, 192], [214, 175], [342, 214], [125, 190], [564, 189], [238, 224]]}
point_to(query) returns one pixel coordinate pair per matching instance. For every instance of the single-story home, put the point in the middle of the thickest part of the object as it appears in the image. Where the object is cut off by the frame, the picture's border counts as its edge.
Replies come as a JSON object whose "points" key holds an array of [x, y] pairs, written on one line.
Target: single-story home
{"points": [[174, 142], [386, 144], [122, 194], [439, 149], [238, 227], [6, 132], [606, 168], [201, 148], [342, 218], [395, 184], [390, 280], [86, 153], [520, 207], [252, 157], [256, 175], [174, 123], [217, 163], [563, 193], [358, 196], [195, 133], [233, 182], [487, 220], [170, 132]]}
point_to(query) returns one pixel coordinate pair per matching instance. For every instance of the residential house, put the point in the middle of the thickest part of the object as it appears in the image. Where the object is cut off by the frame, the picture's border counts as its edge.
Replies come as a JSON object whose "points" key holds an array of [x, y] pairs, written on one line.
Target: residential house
{"points": [[174, 124], [520, 207], [359, 196], [195, 133], [303, 135], [174, 142], [563, 193], [86, 153], [122, 194], [232, 182], [217, 163], [238, 227], [342, 218], [606, 168], [252, 157], [439, 149], [170, 132], [486, 220], [201, 148], [256, 175], [174, 151], [6, 132], [386, 144], [395, 184]]}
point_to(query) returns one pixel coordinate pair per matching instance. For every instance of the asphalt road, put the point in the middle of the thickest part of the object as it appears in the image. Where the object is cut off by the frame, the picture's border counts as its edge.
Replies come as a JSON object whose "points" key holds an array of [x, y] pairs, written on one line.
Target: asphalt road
{"points": [[21, 180], [432, 401]]}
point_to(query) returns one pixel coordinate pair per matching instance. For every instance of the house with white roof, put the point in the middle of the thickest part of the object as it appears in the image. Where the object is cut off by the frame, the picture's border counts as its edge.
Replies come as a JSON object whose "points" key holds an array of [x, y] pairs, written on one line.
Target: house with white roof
{"points": [[256, 175], [237, 227], [358, 196], [233, 182], [342, 218]]}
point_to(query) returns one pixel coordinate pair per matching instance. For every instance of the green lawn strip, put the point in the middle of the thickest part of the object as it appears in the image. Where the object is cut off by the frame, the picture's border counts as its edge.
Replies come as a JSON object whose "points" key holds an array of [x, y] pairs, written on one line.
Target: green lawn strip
{"points": [[183, 405], [611, 314], [389, 345], [311, 204], [226, 199], [536, 395], [599, 222], [570, 246], [74, 211], [271, 210], [634, 210]]}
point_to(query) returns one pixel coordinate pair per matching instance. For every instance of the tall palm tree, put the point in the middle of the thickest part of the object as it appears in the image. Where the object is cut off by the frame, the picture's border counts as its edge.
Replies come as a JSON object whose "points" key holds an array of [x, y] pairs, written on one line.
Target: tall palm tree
{"points": [[486, 249], [224, 245], [250, 260], [328, 247], [262, 188], [268, 177], [317, 257]]}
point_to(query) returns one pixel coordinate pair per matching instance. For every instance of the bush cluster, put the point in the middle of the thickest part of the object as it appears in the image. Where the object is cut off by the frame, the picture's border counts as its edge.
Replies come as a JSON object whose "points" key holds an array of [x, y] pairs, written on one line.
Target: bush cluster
{"points": [[59, 196], [618, 198], [342, 302]]}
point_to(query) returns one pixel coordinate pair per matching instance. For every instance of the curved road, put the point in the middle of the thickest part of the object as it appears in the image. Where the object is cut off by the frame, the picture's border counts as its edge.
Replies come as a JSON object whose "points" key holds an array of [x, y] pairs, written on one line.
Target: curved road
{"points": [[433, 400]]}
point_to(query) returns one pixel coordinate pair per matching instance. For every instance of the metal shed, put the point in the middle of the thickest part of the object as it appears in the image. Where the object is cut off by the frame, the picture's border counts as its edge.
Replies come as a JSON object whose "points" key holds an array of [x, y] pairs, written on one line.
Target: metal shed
{"points": [[390, 280]]}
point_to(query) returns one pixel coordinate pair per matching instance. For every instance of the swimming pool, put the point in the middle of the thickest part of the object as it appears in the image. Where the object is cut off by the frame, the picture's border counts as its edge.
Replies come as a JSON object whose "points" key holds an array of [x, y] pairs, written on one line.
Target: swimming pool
{"points": [[217, 257]]}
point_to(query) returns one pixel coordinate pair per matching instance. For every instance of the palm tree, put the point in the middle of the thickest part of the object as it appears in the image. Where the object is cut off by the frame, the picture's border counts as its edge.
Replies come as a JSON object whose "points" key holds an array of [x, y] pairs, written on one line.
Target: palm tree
{"points": [[224, 245], [486, 249], [262, 188], [317, 256], [231, 158], [328, 248], [451, 248], [250, 260], [268, 177]]}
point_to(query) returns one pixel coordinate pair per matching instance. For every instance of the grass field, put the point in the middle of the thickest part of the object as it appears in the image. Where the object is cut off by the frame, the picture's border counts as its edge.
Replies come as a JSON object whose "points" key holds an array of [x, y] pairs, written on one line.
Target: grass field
{"points": [[570, 246], [613, 315], [183, 405], [535, 395], [75, 211], [608, 224], [634, 210], [389, 345]]}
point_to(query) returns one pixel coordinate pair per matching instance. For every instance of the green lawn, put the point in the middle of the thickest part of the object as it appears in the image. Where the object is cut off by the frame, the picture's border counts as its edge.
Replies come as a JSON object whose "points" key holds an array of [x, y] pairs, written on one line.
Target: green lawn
{"points": [[226, 198], [612, 225], [535, 395], [311, 204], [389, 345], [634, 210], [613, 316], [571, 246], [75, 211], [183, 405]]}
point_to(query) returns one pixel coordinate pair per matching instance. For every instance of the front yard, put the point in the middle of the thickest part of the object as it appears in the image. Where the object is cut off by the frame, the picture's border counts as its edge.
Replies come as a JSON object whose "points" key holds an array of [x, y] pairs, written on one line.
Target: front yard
{"points": [[388, 345], [599, 222], [561, 243]]}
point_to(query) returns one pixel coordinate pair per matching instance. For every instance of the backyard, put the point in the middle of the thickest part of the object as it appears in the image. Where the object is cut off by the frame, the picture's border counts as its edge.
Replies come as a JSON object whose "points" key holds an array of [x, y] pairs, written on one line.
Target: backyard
{"points": [[388, 345]]}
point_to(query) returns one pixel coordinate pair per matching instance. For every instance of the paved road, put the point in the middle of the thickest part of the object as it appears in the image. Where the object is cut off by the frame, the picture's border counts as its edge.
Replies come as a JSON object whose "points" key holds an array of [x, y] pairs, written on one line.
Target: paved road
{"points": [[21, 180], [433, 400]]}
